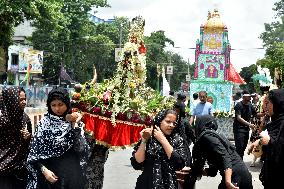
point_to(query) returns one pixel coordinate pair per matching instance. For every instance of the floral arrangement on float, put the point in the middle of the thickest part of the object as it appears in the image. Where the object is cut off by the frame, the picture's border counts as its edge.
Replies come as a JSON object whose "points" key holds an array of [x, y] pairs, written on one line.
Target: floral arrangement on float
{"points": [[222, 114], [106, 100], [124, 99]]}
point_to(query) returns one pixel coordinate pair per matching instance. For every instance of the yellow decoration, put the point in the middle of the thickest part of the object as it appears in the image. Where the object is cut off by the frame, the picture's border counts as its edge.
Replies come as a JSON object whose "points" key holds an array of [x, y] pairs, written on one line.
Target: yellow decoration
{"points": [[214, 23], [212, 43], [132, 85]]}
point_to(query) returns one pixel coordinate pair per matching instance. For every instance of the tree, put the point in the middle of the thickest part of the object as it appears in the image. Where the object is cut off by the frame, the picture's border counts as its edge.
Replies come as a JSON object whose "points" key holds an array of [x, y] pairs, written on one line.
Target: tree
{"points": [[68, 43], [273, 39], [273, 59], [247, 73], [155, 44], [180, 71], [104, 58], [156, 54]]}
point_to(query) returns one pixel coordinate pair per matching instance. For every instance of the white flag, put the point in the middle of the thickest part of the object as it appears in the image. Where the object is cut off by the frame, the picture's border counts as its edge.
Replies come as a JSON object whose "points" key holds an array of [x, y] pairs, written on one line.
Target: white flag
{"points": [[166, 85]]}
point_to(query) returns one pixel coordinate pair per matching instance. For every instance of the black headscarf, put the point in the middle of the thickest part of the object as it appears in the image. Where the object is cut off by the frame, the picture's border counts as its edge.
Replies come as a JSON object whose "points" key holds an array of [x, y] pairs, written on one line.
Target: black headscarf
{"points": [[12, 120], [204, 122], [275, 150], [58, 93], [11, 101], [276, 96]]}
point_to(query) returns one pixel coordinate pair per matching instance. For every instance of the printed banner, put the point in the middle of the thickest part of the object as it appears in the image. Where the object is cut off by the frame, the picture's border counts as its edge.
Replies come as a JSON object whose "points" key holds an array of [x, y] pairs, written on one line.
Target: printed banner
{"points": [[30, 57]]}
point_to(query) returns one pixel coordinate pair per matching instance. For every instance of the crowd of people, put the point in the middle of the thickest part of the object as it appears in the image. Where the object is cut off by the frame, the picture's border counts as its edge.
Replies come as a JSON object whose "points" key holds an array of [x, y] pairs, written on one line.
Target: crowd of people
{"points": [[163, 148], [60, 155]]}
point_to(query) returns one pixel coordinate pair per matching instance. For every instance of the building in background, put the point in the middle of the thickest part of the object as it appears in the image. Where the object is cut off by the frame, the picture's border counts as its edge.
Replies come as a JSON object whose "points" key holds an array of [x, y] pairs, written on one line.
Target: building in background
{"points": [[24, 65], [21, 56], [98, 20]]}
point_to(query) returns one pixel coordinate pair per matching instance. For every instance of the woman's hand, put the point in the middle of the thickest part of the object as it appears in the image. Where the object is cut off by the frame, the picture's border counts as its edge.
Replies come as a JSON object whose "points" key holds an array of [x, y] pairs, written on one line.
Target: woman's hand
{"points": [[25, 133], [158, 134], [265, 138], [49, 175], [74, 117], [146, 134], [230, 185]]}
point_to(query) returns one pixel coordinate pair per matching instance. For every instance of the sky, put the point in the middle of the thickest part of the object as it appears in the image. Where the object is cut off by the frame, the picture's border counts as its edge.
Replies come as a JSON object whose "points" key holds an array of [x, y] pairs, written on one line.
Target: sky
{"points": [[181, 20]]}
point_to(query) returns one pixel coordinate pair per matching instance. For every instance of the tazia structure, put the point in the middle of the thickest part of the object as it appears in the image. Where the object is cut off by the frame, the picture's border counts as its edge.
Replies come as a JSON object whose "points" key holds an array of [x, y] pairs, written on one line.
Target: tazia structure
{"points": [[214, 72], [117, 109]]}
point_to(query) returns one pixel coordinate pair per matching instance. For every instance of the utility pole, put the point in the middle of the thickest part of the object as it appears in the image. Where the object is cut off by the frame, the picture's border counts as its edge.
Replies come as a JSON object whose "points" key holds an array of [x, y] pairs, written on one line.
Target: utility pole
{"points": [[188, 74], [169, 75], [120, 35], [61, 66], [158, 77]]}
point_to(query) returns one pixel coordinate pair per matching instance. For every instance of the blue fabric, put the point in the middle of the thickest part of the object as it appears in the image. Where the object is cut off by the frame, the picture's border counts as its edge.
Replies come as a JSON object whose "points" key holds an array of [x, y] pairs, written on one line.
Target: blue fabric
{"points": [[203, 109]]}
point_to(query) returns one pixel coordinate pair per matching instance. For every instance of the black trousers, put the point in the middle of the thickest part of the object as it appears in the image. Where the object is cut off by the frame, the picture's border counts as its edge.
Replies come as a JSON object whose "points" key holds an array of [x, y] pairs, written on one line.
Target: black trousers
{"points": [[241, 140]]}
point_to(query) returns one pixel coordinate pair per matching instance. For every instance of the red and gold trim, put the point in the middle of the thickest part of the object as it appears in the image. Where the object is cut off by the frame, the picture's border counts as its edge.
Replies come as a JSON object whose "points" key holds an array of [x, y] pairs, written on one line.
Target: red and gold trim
{"points": [[123, 134]]}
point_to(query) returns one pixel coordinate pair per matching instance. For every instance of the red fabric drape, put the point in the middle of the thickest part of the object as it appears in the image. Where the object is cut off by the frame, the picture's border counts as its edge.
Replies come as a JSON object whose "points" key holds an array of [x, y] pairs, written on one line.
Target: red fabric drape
{"points": [[122, 134], [234, 76]]}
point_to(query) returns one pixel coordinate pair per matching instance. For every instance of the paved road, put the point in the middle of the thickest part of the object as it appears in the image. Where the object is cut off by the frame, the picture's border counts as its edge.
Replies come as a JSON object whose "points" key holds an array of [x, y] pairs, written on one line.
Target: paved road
{"points": [[120, 175]]}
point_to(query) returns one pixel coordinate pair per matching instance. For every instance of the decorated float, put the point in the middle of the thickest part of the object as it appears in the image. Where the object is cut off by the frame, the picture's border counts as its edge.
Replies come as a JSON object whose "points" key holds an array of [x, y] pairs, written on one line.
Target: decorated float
{"points": [[116, 110], [214, 72]]}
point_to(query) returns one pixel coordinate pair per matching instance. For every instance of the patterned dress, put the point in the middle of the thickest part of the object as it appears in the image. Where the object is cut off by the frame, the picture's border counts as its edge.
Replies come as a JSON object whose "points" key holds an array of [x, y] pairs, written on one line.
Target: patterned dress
{"points": [[257, 122], [95, 168]]}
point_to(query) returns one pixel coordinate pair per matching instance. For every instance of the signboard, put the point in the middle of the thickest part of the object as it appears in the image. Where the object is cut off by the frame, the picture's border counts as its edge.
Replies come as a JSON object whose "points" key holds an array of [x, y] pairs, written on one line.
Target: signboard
{"points": [[117, 54], [170, 70], [187, 77], [30, 57]]}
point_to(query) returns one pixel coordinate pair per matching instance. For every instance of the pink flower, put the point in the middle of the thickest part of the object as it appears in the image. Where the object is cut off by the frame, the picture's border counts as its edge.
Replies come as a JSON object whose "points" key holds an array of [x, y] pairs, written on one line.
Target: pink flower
{"points": [[96, 110]]}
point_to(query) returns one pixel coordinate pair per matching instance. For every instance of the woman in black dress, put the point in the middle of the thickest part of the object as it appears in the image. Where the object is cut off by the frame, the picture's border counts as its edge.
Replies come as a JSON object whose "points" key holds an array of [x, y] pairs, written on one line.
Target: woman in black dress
{"points": [[219, 154], [159, 153], [58, 150], [271, 173], [15, 135]]}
